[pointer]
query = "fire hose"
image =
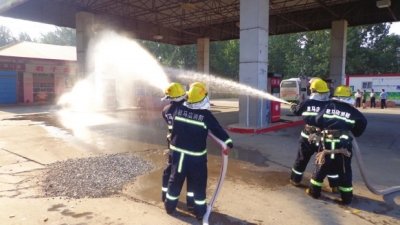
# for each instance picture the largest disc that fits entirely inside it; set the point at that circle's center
(387, 191)
(224, 165)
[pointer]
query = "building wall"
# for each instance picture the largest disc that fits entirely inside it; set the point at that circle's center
(62, 71)
(28, 87)
(391, 84)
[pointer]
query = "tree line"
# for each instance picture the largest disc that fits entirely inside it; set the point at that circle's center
(370, 50)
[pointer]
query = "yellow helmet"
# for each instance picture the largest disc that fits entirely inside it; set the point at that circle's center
(342, 91)
(174, 90)
(319, 85)
(197, 92)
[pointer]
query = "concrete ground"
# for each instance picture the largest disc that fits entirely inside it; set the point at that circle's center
(256, 189)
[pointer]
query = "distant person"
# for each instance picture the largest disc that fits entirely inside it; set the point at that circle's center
(192, 123)
(337, 120)
(364, 99)
(357, 96)
(372, 99)
(307, 144)
(383, 95)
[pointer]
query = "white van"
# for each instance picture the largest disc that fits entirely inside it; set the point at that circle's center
(294, 90)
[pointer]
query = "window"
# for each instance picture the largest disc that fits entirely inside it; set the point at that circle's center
(43, 87)
(366, 85)
(289, 84)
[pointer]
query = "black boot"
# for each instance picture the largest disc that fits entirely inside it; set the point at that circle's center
(347, 197)
(295, 179)
(314, 191)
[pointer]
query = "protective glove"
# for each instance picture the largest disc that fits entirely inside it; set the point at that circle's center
(226, 150)
(293, 108)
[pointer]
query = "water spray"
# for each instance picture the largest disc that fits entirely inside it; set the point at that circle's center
(230, 85)
(121, 72)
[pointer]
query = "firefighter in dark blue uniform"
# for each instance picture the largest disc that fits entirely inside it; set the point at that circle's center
(308, 145)
(191, 124)
(176, 94)
(337, 120)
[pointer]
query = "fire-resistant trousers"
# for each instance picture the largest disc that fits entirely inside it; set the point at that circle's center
(304, 153)
(165, 179)
(194, 169)
(340, 164)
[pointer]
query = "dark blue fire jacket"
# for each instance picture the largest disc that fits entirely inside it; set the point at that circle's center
(168, 112)
(342, 116)
(190, 131)
(309, 110)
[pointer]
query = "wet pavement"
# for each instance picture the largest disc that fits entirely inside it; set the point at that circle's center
(256, 190)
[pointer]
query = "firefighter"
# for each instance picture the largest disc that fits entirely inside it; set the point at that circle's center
(192, 122)
(308, 145)
(337, 120)
(175, 93)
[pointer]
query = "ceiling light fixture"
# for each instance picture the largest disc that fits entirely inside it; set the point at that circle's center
(158, 37)
(383, 4)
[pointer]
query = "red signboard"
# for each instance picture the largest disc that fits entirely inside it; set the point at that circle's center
(12, 66)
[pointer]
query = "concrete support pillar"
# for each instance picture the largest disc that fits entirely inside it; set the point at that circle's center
(85, 24)
(338, 52)
(254, 17)
(203, 55)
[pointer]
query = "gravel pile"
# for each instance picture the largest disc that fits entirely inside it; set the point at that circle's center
(93, 177)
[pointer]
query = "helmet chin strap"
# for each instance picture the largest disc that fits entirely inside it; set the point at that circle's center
(203, 104)
(320, 96)
(347, 100)
(178, 99)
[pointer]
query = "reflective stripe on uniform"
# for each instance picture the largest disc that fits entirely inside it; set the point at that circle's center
(297, 172)
(339, 117)
(194, 122)
(172, 198)
(170, 127)
(200, 202)
(316, 183)
(309, 114)
(333, 176)
(333, 145)
(346, 189)
(181, 162)
(304, 135)
(190, 194)
(228, 141)
(187, 151)
(344, 137)
(164, 189)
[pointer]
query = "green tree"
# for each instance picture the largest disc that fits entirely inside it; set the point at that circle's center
(24, 37)
(371, 50)
(316, 51)
(224, 58)
(173, 56)
(61, 36)
(5, 36)
(285, 55)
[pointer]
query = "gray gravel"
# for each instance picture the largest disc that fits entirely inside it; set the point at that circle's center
(93, 177)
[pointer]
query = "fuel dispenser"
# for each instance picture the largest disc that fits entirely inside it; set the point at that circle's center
(273, 86)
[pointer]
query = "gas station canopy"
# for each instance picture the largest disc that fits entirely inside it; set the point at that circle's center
(184, 21)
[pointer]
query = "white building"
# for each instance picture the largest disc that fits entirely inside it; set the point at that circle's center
(389, 82)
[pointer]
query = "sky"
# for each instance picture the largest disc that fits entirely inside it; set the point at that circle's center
(35, 29)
